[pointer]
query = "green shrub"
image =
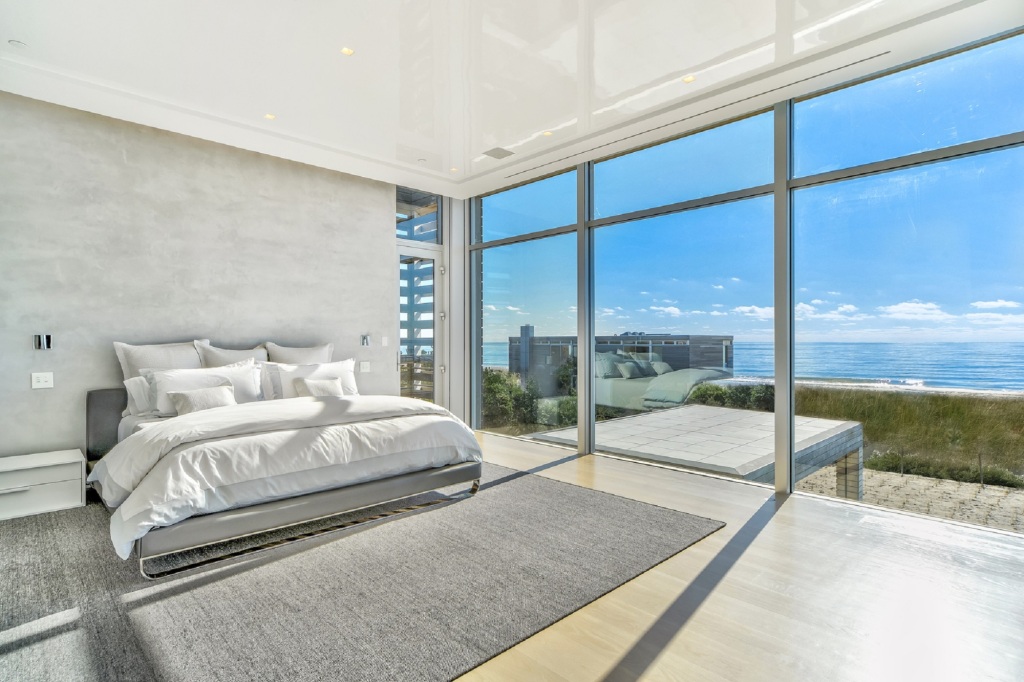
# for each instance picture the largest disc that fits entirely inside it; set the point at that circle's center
(709, 394)
(740, 396)
(505, 401)
(919, 465)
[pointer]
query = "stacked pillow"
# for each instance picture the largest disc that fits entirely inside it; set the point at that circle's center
(164, 380)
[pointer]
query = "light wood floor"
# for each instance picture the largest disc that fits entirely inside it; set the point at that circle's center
(802, 588)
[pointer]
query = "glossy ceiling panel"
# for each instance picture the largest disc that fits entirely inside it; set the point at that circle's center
(433, 84)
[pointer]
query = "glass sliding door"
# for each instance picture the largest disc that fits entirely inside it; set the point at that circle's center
(416, 327)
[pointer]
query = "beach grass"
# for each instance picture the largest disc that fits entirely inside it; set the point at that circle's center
(937, 434)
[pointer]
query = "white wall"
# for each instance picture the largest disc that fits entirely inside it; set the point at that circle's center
(114, 231)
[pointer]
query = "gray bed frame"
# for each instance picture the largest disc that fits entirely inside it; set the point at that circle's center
(103, 414)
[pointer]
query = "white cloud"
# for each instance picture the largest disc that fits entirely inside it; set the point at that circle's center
(804, 310)
(735, 279)
(819, 301)
(915, 310)
(645, 293)
(667, 310)
(490, 307)
(717, 286)
(996, 318)
(670, 302)
(758, 312)
(718, 313)
(995, 304)
(717, 305)
(606, 311)
(572, 309)
(803, 288)
(847, 308)
(512, 308)
(834, 293)
(697, 312)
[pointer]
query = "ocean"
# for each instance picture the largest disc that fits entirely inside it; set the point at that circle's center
(977, 366)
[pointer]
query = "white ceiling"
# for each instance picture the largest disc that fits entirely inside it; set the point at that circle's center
(435, 83)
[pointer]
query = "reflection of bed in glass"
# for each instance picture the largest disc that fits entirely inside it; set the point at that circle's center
(632, 371)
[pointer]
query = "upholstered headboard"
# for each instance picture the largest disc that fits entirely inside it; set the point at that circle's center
(103, 408)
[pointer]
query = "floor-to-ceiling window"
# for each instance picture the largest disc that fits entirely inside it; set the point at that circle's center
(902, 198)
(909, 277)
(525, 267)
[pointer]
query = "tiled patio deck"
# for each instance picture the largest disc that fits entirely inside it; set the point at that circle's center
(728, 441)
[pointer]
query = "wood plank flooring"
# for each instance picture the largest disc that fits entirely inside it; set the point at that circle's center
(801, 588)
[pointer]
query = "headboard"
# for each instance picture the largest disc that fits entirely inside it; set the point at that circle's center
(103, 408)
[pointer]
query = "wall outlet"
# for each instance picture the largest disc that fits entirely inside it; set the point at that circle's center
(42, 379)
(364, 366)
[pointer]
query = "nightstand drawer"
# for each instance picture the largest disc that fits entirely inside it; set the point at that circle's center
(36, 499)
(39, 475)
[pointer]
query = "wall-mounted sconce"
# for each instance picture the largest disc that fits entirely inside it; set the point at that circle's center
(364, 340)
(43, 342)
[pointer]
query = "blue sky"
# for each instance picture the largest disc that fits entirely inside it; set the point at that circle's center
(932, 253)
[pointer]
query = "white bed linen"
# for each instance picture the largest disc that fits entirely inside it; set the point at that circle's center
(132, 423)
(245, 454)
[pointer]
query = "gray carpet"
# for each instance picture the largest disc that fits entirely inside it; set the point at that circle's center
(421, 597)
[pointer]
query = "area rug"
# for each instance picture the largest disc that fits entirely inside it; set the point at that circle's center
(426, 596)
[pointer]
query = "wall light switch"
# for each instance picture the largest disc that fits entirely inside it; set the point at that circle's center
(364, 366)
(383, 340)
(42, 379)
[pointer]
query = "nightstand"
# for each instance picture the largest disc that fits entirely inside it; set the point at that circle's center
(43, 482)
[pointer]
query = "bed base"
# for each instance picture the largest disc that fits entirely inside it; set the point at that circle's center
(210, 529)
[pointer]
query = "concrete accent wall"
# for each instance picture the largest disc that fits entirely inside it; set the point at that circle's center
(115, 231)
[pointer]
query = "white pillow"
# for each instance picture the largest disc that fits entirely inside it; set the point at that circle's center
(661, 367)
(279, 379)
(139, 395)
(300, 356)
(211, 356)
(243, 377)
(158, 356)
(200, 399)
(316, 388)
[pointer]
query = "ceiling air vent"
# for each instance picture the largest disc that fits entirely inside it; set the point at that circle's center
(498, 153)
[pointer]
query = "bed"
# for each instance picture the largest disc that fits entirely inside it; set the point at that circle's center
(653, 392)
(203, 478)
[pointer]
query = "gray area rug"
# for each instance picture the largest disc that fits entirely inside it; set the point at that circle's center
(426, 596)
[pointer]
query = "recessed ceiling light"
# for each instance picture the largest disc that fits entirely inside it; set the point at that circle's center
(347, 51)
(453, 169)
(269, 117)
(421, 160)
(548, 133)
(689, 79)
(17, 43)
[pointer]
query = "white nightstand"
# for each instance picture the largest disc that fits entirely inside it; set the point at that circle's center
(44, 482)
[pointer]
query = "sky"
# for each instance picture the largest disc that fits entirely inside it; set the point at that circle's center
(930, 253)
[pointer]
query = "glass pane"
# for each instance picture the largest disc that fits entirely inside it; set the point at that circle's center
(730, 157)
(416, 215)
(966, 97)
(684, 339)
(537, 206)
(529, 336)
(416, 327)
(910, 330)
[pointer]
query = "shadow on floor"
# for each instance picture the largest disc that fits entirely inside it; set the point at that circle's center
(652, 643)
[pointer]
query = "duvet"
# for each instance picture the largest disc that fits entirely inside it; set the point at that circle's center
(245, 454)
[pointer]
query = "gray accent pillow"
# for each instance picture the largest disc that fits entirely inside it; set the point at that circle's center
(661, 367)
(211, 356)
(186, 402)
(316, 388)
(605, 365)
(646, 368)
(300, 356)
(157, 356)
(629, 370)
